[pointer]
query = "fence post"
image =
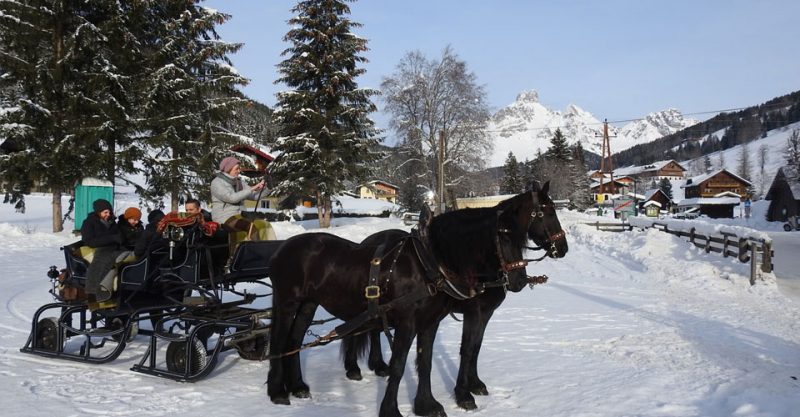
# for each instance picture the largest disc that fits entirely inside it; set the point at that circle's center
(766, 262)
(691, 235)
(725, 245)
(744, 247)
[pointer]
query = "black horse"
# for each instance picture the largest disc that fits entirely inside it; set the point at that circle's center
(458, 255)
(543, 229)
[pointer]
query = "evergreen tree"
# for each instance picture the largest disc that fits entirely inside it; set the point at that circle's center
(512, 183)
(580, 195)
(327, 137)
(66, 93)
(707, 166)
(559, 149)
(666, 186)
(190, 90)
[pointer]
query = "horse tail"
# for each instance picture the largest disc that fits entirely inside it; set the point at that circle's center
(355, 346)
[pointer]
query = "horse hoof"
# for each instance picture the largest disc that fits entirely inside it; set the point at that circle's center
(382, 372)
(280, 400)
(429, 410)
(301, 393)
(354, 375)
(467, 404)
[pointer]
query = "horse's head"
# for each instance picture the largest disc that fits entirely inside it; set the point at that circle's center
(544, 228)
(510, 240)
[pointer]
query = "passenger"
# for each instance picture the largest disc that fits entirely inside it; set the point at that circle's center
(228, 195)
(131, 227)
(150, 240)
(99, 231)
(193, 207)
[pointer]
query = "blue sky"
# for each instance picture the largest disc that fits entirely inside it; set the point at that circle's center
(616, 59)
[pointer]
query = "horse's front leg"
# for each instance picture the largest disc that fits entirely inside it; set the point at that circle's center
(294, 373)
(403, 336)
(282, 318)
(424, 403)
(467, 382)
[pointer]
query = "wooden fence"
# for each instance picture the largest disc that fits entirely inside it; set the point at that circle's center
(612, 227)
(744, 249)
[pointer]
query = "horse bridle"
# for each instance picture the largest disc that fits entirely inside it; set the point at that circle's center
(507, 267)
(551, 237)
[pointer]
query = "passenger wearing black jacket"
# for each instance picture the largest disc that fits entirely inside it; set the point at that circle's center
(100, 232)
(150, 239)
(131, 227)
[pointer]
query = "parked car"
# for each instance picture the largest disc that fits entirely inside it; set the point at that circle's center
(691, 213)
(410, 218)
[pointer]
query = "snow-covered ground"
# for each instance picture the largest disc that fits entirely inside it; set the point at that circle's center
(630, 324)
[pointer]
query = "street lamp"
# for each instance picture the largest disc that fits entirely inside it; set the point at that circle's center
(635, 198)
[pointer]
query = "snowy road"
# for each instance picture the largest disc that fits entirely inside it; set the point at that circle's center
(786, 246)
(630, 324)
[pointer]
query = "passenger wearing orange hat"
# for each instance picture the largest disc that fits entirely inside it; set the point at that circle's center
(130, 225)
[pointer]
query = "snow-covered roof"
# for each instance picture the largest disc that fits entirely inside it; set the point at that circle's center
(709, 201)
(695, 181)
(793, 179)
(652, 203)
(634, 170)
(373, 182)
(96, 182)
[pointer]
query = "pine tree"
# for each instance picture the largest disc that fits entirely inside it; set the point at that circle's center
(707, 166)
(559, 149)
(580, 195)
(326, 138)
(66, 94)
(190, 90)
(666, 186)
(512, 184)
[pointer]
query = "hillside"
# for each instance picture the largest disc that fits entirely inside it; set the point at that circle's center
(719, 133)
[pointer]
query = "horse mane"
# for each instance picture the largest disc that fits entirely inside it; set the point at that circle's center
(463, 238)
(463, 241)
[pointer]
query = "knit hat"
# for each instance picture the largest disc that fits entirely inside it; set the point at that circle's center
(133, 213)
(227, 163)
(155, 216)
(100, 205)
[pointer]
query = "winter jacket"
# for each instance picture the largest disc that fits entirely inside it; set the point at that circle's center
(227, 197)
(130, 234)
(149, 241)
(97, 234)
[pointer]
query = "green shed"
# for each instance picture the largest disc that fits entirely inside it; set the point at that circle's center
(86, 192)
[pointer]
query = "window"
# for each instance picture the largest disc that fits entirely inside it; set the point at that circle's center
(264, 204)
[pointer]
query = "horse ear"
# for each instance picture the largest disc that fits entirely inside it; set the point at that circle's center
(546, 187)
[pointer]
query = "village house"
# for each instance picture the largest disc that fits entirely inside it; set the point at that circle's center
(378, 190)
(784, 194)
(714, 194)
(656, 171)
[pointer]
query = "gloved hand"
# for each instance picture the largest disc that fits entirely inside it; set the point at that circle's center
(209, 228)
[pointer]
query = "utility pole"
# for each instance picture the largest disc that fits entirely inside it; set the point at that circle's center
(609, 166)
(440, 193)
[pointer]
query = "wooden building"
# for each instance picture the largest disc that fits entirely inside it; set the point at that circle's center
(716, 183)
(784, 194)
(379, 190)
(669, 169)
(658, 196)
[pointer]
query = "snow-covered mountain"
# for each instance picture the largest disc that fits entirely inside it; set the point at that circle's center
(525, 127)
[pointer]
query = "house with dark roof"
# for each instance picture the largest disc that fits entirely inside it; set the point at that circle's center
(784, 194)
(714, 194)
